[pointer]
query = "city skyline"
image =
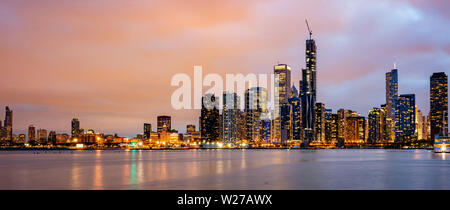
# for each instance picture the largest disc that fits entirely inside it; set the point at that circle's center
(111, 95)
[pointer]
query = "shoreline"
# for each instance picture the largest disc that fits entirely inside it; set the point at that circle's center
(180, 149)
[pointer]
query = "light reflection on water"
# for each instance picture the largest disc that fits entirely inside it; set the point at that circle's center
(225, 169)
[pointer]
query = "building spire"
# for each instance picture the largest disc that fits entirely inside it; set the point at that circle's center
(309, 29)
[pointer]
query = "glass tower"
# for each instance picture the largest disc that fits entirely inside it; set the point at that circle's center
(308, 89)
(438, 104)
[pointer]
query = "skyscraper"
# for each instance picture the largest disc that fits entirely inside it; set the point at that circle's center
(375, 126)
(255, 112)
(42, 136)
(355, 129)
(281, 110)
(419, 124)
(391, 101)
(319, 127)
(164, 120)
(387, 125)
(308, 92)
(209, 119)
(31, 134)
(296, 118)
(52, 138)
(75, 127)
(438, 105)
(331, 127)
(190, 128)
(147, 130)
(230, 113)
(406, 118)
(8, 124)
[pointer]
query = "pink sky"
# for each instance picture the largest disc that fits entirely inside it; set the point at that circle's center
(109, 63)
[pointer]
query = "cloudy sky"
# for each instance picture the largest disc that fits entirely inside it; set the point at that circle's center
(109, 63)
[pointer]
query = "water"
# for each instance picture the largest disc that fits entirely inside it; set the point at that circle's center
(225, 169)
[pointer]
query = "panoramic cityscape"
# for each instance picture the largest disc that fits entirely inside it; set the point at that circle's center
(203, 98)
(296, 121)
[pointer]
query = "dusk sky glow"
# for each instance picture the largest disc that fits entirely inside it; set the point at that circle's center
(110, 63)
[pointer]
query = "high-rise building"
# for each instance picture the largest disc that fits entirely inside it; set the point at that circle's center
(391, 101)
(190, 128)
(75, 128)
(255, 112)
(230, 113)
(296, 118)
(31, 134)
(266, 130)
(308, 92)
(438, 105)
(8, 124)
(419, 124)
(2, 131)
(147, 130)
(21, 139)
(52, 137)
(386, 125)
(406, 118)
(209, 119)
(375, 126)
(281, 110)
(319, 128)
(164, 120)
(331, 127)
(241, 126)
(355, 129)
(42, 136)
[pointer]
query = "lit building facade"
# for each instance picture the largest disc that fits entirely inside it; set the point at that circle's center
(419, 124)
(209, 119)
(147, 130)
(164, 120)
(8, 124)
(230, 113)
(391, 102)
(355, 130)
(438, 105)
(31, 134)
(281, 114)
(296, 118)
(255, 112)
(331, 127)
(308, 92)
(375, 126)
(75, 128)
(406, 118)
(42, 136)
(319, 127)
(190, 128)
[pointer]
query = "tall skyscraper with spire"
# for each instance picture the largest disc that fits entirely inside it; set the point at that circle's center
(391, 102)
(308, 89)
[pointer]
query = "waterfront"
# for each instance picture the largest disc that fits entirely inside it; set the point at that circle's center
(225, 169)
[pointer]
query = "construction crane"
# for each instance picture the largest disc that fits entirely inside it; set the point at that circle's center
(309, 30)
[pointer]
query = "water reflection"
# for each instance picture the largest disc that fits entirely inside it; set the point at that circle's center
(98, 173)
(227, 169)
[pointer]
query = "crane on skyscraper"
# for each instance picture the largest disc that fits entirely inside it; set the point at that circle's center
(309, 29)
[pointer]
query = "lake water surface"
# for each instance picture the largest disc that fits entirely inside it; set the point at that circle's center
(225, 169)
